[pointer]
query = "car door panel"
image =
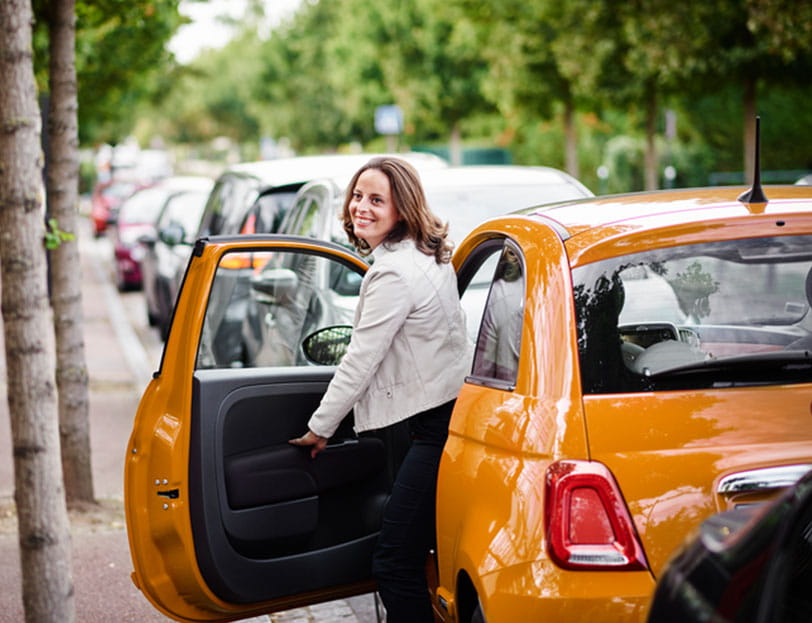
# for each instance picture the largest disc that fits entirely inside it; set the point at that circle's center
(267, 511)
(225, 517)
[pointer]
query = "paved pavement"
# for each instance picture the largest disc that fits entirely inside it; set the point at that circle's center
(121, 353)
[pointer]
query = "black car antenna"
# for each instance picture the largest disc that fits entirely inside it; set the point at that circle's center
(755, 194)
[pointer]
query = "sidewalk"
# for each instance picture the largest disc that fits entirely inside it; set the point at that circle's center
(118, 365)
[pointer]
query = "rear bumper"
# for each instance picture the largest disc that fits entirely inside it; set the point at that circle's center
(541, 591)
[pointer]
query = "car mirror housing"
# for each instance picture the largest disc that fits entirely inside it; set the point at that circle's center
(173, 234)
(327, 346)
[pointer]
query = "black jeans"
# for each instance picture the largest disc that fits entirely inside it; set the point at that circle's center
(408, 532)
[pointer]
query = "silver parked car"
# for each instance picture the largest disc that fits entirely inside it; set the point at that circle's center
(463, 196)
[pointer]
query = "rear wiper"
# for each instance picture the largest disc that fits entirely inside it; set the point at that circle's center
(783, 364)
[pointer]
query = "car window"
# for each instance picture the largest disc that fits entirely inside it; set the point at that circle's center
(499, 338)
(311, 219)
(212, 221)
(267, 213)
(143, 207)
(705, 315)
(259, 317)
(185, 209)
(291, 224)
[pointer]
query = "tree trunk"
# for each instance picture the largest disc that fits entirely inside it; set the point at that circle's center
(66, 276)
(44, 530)
(651, 165)
(455, 145)
(749, 109)
(571, 140)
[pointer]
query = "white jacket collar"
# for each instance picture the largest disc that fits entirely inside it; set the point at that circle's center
(390, 247)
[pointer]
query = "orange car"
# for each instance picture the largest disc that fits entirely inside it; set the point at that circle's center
(642, 362)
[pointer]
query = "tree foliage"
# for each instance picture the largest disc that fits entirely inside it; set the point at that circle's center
(120, 56)
(543, 79)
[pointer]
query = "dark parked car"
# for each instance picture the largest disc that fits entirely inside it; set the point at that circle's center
(749, 565)
(167, 252)
(136, 218)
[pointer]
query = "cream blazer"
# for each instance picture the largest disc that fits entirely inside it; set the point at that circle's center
(409, 350)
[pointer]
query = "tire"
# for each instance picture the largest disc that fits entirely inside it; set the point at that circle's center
(478, 616)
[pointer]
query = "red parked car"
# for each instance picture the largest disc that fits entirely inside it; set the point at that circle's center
(136, 219)
(105, 201)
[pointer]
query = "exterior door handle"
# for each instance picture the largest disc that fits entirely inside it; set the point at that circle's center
(763, 479)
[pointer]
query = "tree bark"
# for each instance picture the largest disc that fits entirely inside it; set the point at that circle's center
(571, 140)
(749, 107)
(455, 145)
(651, 165)
(66, 275)
(44, 531)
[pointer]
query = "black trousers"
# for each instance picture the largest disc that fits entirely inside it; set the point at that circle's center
(408, 530)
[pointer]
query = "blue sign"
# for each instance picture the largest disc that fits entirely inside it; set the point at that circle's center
(388, 120)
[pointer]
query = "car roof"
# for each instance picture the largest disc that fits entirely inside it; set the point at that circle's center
(584, 223)
(299, 169)
(469, 176)
(178, 183)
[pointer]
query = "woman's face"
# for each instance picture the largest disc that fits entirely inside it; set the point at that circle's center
(372, 209)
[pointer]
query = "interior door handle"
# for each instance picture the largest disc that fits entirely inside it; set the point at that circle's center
(341, 443)
(763, 479)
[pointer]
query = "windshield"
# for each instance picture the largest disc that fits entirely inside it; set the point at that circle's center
(703, 315)
(143, 207)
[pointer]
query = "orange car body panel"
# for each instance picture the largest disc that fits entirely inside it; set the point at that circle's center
(159, 528)
(667, 450)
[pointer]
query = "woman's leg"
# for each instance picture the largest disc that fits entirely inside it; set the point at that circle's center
(408, 530)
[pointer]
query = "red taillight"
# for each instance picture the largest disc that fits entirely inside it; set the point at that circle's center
(587, 523)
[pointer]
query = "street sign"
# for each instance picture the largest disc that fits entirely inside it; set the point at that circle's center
(388, 120)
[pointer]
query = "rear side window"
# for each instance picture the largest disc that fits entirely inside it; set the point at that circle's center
(719, 314)
(499, 338)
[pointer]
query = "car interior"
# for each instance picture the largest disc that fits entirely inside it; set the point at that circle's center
(714, 315)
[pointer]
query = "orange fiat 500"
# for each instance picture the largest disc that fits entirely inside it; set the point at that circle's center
(642, 362)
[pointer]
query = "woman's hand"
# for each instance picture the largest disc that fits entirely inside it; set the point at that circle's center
(311, 439)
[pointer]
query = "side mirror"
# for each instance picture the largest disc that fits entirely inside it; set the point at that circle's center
(148, 240)
(172, 234)
(277, 285)
(327, 346)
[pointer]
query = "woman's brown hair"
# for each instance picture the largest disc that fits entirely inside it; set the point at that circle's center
(417, 221)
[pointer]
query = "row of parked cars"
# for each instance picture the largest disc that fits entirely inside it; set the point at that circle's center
(154, 227)
(642, 376)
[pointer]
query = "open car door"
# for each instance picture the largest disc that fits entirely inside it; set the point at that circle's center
(225, 518)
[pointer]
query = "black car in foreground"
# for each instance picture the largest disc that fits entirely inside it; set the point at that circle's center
(751, 564)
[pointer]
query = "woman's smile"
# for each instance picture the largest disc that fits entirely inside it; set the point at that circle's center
(373, 212)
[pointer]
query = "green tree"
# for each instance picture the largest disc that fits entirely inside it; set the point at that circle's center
(704, 47)
(302, 102)
(120, 54)
(433, 65)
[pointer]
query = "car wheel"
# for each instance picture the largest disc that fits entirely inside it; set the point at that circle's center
(121, 282)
